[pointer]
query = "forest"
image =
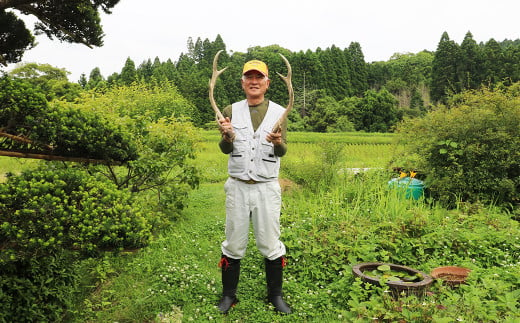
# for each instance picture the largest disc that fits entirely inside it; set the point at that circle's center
(335, 88)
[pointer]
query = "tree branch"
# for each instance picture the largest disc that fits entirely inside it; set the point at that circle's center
(24, 140)
(4, 4)
(53, 157)
(26, 8)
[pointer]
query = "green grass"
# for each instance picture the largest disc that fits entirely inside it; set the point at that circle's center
(335, 220)
(356, 220)
(355, 150)
(180, 264)
(328, 225)
(14, 165)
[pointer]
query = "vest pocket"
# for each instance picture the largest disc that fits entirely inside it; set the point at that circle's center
(238, 157)
(268, 163)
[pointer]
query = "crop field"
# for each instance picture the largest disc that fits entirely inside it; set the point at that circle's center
(352, 151)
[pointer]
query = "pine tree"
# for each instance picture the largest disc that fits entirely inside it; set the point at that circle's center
(70, 21)
(378, 74)
(512, 63)
(128, 73)
(444, 69)
(470, 64)
(145, 70)
(358, 69)
(95, 79)
(343, 87)
(494, 62)
(83, 80)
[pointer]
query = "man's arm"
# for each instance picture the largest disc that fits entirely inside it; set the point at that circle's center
(226, 143)
(279, 140)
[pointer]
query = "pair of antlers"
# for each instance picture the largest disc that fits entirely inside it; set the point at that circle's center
(287, 79)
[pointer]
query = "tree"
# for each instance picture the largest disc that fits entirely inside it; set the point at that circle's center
(128, 73)
(73, 21)
(145, 70)
(494, 62)
(470, 65)
(375, 112)
(511, 65)
(337, 78)
(444, 69)
(408, 73)
(49, 79)
(15, 42)
(164, 70)
(324, 114)
(305, 73)
(95, 79)
(358, 69)
(378, 73)
(469, 150)
(416, 101)
(82, 80)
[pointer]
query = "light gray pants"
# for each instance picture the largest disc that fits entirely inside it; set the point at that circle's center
(259, 203)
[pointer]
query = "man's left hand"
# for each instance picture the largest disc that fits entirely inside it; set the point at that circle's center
(275, 138)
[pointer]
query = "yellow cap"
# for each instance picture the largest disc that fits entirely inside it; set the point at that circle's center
(256, 65)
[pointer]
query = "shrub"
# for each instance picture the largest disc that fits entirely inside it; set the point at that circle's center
(37, 289)
(303, 171)
(65, 208)
(67, 130)
(470, 149)
(52, 216)
(141, 101)
(77, 133)
(18, 99)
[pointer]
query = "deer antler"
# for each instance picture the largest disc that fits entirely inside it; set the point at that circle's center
(288, 82)
(212, 82)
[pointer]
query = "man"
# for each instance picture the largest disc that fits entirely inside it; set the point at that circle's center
(252, 190)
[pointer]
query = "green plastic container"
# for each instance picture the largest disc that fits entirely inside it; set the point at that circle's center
(411, 187)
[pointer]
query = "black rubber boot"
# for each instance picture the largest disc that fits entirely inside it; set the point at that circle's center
(230, 274)
(274, 277)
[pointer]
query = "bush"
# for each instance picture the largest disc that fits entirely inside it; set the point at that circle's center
(139, 101)
(65, 208)
(37, 289)
(57, 128)
(18, 99)
(470, 149)
(52, 216)
(76, 133)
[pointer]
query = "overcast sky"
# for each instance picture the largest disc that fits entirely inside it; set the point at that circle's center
(161, 28)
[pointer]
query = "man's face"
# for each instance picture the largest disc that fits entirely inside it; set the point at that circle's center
(255, 84)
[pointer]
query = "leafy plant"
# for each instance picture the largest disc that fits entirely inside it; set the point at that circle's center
(384, 273)
(58, 128)
(54, 208)
(51, 217)
(470, 150)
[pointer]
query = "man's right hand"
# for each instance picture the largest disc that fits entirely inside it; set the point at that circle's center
(226, 129)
